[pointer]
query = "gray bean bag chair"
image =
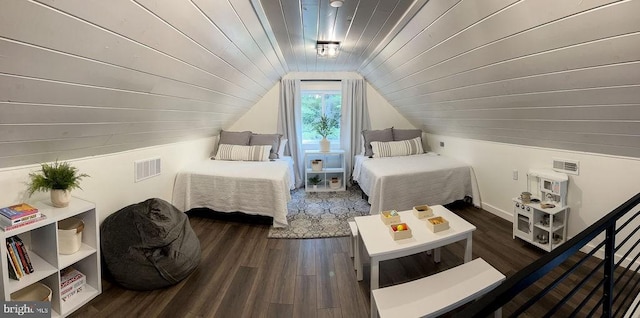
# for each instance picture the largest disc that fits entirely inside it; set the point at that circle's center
(149, 245)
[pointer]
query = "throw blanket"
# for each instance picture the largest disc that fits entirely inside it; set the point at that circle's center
(403, 182)
(253, 187)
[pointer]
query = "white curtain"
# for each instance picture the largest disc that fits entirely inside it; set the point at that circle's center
(290, 124)
(355, 119)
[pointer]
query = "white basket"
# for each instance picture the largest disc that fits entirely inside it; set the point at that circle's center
(70, 235)
(316, 165)
(334, 183)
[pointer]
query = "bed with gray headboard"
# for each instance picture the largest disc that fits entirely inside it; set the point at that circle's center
(245, 175)
(395, 172)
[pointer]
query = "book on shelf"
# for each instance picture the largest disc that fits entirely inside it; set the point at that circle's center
(12, 269)
(6, 227)
(14, 260)
(19, 256)
(70, 294)
(24, 255)
(72, 282)
(23, 268)
(18, 213)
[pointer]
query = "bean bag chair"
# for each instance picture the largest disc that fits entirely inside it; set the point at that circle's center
(149, 245)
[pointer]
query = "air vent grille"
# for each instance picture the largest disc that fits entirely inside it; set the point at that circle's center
(566, 166)
(145, 169)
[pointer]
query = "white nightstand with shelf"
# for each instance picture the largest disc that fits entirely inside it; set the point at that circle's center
(333, 166)
(41, 239)
(545, 228)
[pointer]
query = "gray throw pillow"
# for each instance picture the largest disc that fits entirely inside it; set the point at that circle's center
(272, 140)
(234, 138)
(406, 134)
(375, 135)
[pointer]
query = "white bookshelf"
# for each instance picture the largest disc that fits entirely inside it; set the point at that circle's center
(41, 240)
(333, 167)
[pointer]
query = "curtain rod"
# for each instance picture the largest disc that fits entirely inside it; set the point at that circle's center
(321, 80)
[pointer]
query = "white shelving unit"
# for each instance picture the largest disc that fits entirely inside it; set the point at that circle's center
(333, 166)
(544, 228)
(41, 239)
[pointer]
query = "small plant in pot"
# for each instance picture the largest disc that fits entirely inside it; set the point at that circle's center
(59, 178)
(315, 181)
(324, 127)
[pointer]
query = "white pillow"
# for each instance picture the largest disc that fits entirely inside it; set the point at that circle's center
(283, 144)
(397, 148)
(243, 153)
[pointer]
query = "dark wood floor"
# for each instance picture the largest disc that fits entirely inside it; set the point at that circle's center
(244, 274)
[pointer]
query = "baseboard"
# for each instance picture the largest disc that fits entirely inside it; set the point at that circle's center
(499, 212)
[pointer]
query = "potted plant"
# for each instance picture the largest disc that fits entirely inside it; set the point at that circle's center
(323, 127)
(315, 181)
(59, 178)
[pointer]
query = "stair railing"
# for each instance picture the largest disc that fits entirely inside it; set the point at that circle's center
(602, 286)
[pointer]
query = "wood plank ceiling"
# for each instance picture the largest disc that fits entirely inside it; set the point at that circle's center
(86, 77)
(362, 27)
(543, 73)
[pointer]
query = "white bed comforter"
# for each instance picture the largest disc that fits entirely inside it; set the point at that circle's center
(401, 183)
(256, 187)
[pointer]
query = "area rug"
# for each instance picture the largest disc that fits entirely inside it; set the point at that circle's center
(321, 214)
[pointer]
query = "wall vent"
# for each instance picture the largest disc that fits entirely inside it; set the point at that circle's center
(566, 166)
(145, 169)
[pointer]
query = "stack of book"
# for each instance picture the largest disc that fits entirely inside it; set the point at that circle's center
(19, 261)
(19, 215)
(71, 283)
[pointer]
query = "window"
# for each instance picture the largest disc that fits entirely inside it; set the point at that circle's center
(320, 98)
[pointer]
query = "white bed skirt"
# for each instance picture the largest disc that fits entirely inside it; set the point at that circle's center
(403, 182)
(252, 187)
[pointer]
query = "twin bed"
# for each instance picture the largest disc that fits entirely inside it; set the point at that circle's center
(252, 187)
(249, 174)
(405, 181)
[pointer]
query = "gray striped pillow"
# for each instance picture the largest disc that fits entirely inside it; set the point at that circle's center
(397, 148)
(243, 153)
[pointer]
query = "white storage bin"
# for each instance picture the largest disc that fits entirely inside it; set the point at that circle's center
(70, 235)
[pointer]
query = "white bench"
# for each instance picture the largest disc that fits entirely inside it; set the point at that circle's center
(437, 294)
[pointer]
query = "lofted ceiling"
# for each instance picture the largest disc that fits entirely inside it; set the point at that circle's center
(363, 28)
(86, 77)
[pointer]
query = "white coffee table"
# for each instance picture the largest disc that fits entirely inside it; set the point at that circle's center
(376, 241)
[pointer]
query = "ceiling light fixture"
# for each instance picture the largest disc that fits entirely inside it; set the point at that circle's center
(327, 48)
(336, 3)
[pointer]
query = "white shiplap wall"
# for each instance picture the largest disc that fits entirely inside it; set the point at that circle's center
(80, 78)
(557, 74)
